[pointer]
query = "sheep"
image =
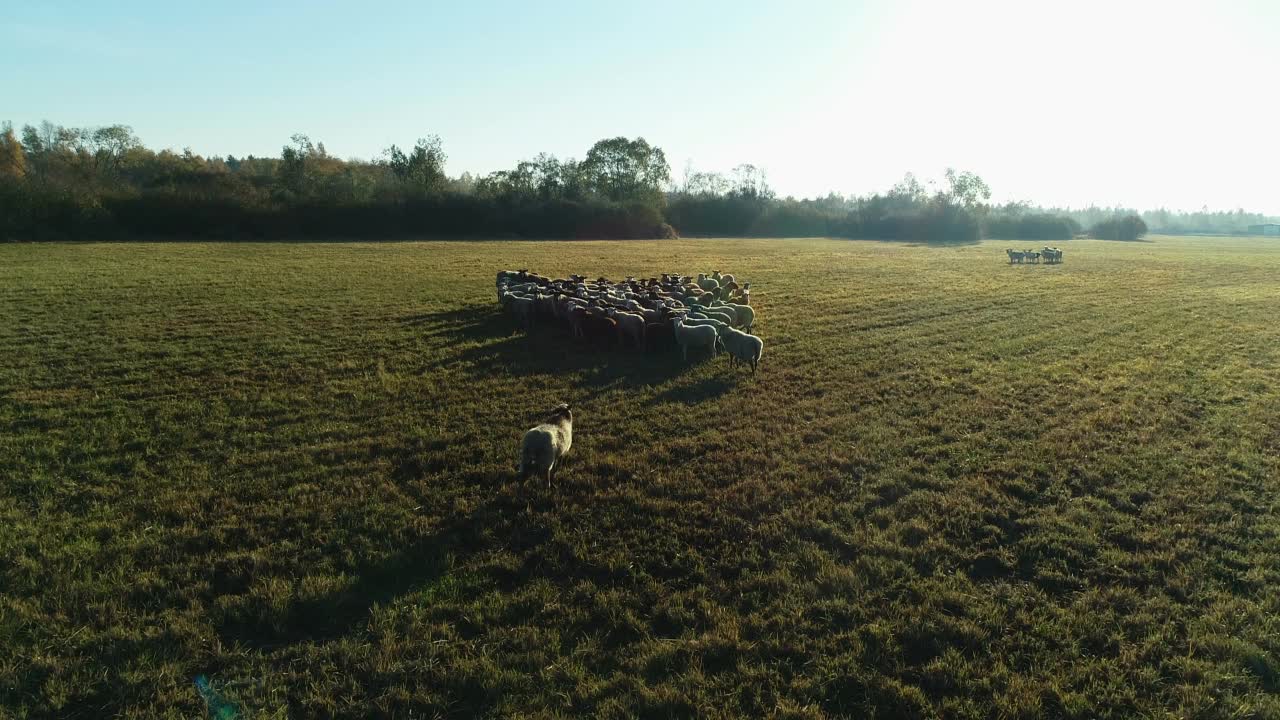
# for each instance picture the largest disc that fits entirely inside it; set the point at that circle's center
(1015, 256)
(659, 336)
(745, 315)
(520, 307)
(631, 311)
(696, 336)
(559, 306)
(742, 347)
(545, 305)
(598, 328)
(629, 325)
(543, 446)
(701, 320)
(652, 315)
(576, 317)
(728, 317)
(1032, 255)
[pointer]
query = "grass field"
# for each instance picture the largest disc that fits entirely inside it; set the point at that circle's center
(956, 488)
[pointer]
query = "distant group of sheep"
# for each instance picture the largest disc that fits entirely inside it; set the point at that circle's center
(710, 313)
(1050, 255)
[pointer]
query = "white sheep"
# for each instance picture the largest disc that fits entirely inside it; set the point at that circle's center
(696, 319)
(544, 445)
(520, 307)
(545, 304)
(629, 325)
(695, 336)
(745, 315)
(741, 346)
(725, 316)
(707, 283)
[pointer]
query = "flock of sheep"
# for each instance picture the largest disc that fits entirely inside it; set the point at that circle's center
(1050, 255)
(711, 313)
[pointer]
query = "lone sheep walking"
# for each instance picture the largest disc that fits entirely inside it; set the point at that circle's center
(544, 445)
(742, 347)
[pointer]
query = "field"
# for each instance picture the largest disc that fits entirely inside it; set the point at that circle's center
(956, 488)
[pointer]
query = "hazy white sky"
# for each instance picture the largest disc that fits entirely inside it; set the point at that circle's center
(1092, 101)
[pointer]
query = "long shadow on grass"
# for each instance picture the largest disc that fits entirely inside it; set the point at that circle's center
(503, 520)
(548, 349)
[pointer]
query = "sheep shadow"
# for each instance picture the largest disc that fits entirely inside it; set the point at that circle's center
(696, 393)
(418, 568)
(492, 343)
(471, 323)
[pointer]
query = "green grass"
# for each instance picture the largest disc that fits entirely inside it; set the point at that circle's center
(956, 488)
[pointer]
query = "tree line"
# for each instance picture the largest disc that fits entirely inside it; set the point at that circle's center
(73, 183)
(98, 183)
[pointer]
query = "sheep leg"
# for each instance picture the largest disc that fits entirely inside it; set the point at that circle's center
(550, 470)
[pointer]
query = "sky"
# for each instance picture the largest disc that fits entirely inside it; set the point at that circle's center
(1110, 102)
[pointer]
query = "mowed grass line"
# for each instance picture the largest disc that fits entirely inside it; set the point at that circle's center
(956, 488)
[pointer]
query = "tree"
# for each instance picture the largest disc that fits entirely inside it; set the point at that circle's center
(423, 168)
(908, 191)
(705, 184)
(548, 176)
(307, 169)
(110, 145)
(749, 182)
(626, 170)
(966, 190)
(13, 161)
(42, 145)
(909, 195)
(293, 163)
(573, 183)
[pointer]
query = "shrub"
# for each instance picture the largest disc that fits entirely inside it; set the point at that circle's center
(1129, 227)
(32, 212)
(1041, 226)
(714, 214)
(944, 223)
